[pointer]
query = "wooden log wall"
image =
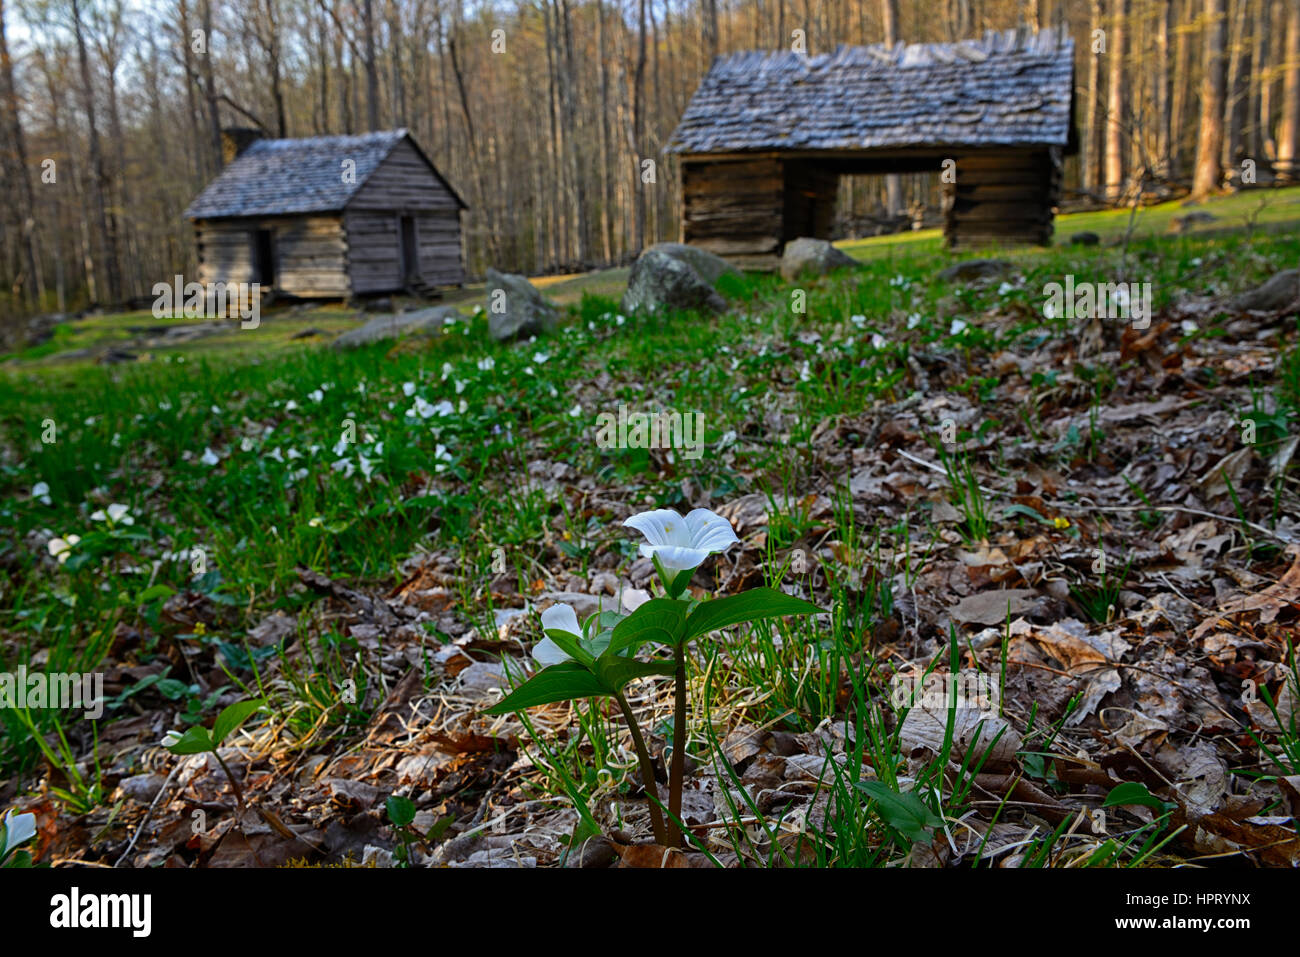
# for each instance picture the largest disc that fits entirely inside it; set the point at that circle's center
(1002, 197)
(309, 253)
(735, 208)
(403, 185)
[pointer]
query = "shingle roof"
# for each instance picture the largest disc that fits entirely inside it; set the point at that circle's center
(285, 177)
(1008, 89)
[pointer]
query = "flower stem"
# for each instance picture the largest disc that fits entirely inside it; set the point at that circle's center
(647, 771)
(677, 774)
(239, 793)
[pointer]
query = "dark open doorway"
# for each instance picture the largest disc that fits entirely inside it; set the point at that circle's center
(410, 249)
(264, 257)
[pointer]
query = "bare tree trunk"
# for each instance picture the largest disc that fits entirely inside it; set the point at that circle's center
(1091, 150)
(271, 44)
(1209, 147)
(1255, 130)
(1178, 118)
(638, 123)
(210, 87)
(1115, 119)
(99, 175)
(709, 9)
(1288, 139)
(372, 71)
(33, 284)
(1164, 22)
(893, 182)
(1238, 87)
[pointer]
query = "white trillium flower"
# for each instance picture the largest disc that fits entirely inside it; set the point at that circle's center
(316, 395)
(61, 548)
(556, 618)
(486, 364)
(116, 515)
(19, 828)
(290, 405)
(408, 389)
(958, 326)
(209, 457)
(41, 492)
(170, 738)
(682, 543)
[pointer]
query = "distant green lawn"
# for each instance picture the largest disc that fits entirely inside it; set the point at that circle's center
(1267, 208)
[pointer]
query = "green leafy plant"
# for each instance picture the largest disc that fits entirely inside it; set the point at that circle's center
(599, 658)
(198, 739)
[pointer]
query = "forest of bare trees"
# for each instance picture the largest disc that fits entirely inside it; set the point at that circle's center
(542, 113)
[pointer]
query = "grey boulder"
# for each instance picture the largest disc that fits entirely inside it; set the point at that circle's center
(515, 307)
(709, 266)
(417, 321)
(660, 280)
(1278, 293)
(813, 256)
(976, 269)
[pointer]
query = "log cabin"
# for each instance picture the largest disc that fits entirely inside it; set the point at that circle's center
(766, 137)
(329, 216)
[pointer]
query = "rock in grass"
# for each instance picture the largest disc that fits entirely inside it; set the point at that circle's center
(417, 321)
(812, 256)
(710, 267)
(1085, 239)
(976, 269)
(660, 280)
(1274, 295)
(515, 307)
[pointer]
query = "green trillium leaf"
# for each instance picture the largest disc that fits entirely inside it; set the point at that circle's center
(571, 646)
(752, 605)
(1131, 792)
(232, 717)
(615, 671)
(659, 619)
(562, 682)
(196, 740)
(401, 810)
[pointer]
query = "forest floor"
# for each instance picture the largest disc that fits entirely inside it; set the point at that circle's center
(1097, 517)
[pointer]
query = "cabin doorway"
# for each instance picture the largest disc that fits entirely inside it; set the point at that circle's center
(264, 257)
(410, 249)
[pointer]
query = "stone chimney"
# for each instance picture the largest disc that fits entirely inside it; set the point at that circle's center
(236, 139)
